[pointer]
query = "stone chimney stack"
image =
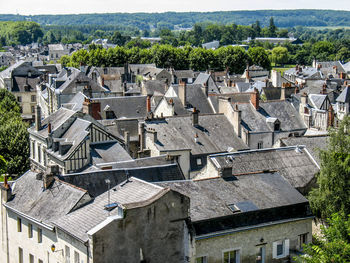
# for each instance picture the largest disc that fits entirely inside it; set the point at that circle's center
(153, 135)
(142, 136)
(49, 175)
(195, 117)
(148, 103)
(254, 98)
(283, 91)
(6, 191)
(237, 118)
(182, 93)
(303, 103)
(37, 118)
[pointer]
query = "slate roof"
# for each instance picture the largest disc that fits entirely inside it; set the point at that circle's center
(24, 84)
(274, 93)
(181, 74)
(153, 86)
(121, 106)
(345, 95)
(76, 103)
(317, 100)
(179, 109)
(256, 120)
(196, 97)
(307, 73)
(238, 97)
(43, 205)
(108, 152)
(215, 134)
(129, 194)
(313, 144)
(144, 162)
(293, 163)
(211, 198)
(94, 182)
(206, 78)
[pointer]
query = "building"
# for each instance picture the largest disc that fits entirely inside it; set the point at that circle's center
(343, 102)
(56, 51)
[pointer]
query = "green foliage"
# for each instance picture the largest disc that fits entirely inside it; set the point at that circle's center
(14, 145)
(258, 56)
(334, 246)
(15, 33)
(333, 192)
(3, 165)
(279, 55)
(233, 58)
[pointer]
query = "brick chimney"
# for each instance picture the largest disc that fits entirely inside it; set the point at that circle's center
(324, 89)
(254, 98)
(195, 117)
(183, 93)
(237, 118)
(37, 118)
(330, 116)
(148, 103)
(93, 108)
(49, 175)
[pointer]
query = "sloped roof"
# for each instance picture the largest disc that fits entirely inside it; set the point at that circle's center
(43, 205)
(24, 84)
(215, 134)
(317, 100)
(127, 193)
(211, 198)
(293, 163)
(108, 152)
(345, 95)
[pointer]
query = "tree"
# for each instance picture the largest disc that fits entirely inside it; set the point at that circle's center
(279, 55)
(333, 192)
(200, 59)
(258, 56)
(272, 28)
(14, 141)
(334, 246)
(235, 58)
(322, 50)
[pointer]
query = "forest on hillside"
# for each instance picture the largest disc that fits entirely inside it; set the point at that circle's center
(174, 20)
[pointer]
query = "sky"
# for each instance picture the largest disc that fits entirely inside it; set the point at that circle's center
(34, 7)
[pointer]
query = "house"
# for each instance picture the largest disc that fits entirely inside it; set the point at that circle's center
(343, 102)
(252, 217)
(6, 59)
(294, 163)
(72, 141)
(50, 219)
(191, 138)
(187, 76)
(56, 51)
(21, 79)
(261, 124)
(301, 75)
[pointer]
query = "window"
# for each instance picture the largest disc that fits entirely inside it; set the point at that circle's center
(33, 109)
(19, 225)
(203, 259)
(67, 252)
(20, 255)
(302, 240)
(40, 261)
(30, 230)
(277, 126)
(260, 145)
(19, 99)
(280, 249)
(39, 154)
(110, 115)
(260, 257)
(31, 258)
(40, 235)
(232, 256)
(199, 161)
(33, 148)
(33, 98)
(76, 257)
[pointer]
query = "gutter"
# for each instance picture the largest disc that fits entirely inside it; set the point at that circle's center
(46, 226)
(231, 231)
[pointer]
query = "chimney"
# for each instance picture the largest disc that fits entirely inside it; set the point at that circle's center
(6, 191)
(254, 98)
(247, 72)
(142, 136)
(49, 175)
(49, 128)
(237, 117)
(319, 67)
(127, 141)
(93, 108)
(266, 83)
(324, 89)
(103, 81)
(205, 88)
(148, 103)
(330, 116)
(153, 135)
(195, 117)
(37, 118)
(283, 91)
(125, 88)
(296, 91)
(342, 75)
(182, 93)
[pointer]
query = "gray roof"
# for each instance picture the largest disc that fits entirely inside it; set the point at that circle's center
(144, 162)
(108, 152)
(129, 194)
(345, 95)
(181, 74)
(294, 163)
(94, 182)
(239, 97)
(153, 86)
(317, 100)
(25, 84)
(307, 73)
(178, 107)
(211, 198)
(129, 107)
(274, 93)
(215, 134)
(313, 144)
(76, 103)
(203, 78)
(43, 205)
(256, 120)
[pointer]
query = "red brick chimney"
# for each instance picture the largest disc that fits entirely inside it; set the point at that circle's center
(330, 116)
(254, 98)
(148, 103)
(93, 108)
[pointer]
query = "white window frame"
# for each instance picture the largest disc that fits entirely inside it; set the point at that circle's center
(285, 244)
(233, 249)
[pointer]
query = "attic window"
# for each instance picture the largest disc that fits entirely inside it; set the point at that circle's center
(277, 126)
(199, 161)
(111, 206)
(234, 208)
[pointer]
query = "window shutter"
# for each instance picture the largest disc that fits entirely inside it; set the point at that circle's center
(274, 250)
(286, 247)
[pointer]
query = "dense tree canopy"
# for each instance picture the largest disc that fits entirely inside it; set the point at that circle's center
(14, 145)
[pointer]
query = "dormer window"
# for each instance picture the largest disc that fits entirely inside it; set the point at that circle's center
(110, 115)
(277, 126)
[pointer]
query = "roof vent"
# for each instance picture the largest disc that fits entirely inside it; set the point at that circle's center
(234, 208)
(110, 207)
